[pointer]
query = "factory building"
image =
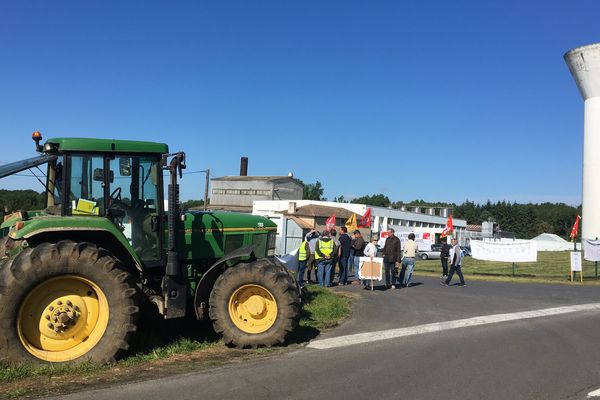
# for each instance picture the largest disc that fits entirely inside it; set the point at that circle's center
(296, 217)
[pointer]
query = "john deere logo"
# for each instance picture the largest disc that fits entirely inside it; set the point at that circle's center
(260, 224)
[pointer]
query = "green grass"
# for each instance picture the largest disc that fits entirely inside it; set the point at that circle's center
(550, 266)
(324, 308)
(160, 339)
(10, 374)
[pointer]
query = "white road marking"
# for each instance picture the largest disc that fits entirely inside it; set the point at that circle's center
(351, 340)
(595, 393)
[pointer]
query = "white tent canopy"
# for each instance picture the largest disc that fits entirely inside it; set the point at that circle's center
(552, 242)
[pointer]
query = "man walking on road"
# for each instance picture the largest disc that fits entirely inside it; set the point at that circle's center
(391, 258)
(456, 255)
(444, 256)
(408, 260)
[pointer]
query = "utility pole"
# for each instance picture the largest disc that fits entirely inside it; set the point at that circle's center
(206, 189)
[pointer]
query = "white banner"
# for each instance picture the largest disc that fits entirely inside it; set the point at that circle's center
(591, 250)
(290, 260)
(424, 240)
(517, 251)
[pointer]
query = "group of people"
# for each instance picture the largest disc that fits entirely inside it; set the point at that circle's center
(323, 252)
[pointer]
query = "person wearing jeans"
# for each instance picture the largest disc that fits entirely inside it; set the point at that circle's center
(324, 251)
(408, 260)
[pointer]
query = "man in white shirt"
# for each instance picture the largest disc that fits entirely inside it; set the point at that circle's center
(456, 256)
(409, 255)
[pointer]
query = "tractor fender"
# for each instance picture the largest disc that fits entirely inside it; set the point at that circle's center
(209, 278)
(100, 237)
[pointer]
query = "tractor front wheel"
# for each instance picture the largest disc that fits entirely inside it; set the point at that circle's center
(66, 302)
(254, 304)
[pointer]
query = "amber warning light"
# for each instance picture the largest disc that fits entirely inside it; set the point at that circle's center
(37, 137)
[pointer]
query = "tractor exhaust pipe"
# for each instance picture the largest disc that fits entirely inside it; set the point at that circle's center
(584, 64)
(174, 286)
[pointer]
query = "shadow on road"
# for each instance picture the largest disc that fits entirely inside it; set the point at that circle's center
(302, 333)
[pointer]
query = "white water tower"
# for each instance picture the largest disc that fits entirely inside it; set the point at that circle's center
(584, 63)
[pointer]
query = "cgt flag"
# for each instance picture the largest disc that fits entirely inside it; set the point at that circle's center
(330, 223)
(365, 220)
(449, 229)
(575, 228)
(351, 223)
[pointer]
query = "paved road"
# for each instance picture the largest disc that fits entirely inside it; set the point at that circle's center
(548, 357)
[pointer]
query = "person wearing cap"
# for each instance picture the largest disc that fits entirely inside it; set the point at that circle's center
(324, 253)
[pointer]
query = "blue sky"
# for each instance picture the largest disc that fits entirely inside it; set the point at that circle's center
(433, 100)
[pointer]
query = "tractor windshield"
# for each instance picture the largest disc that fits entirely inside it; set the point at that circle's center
(125, 189)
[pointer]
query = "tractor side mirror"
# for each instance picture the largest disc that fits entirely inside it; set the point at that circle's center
(125, 166)
(99, 175)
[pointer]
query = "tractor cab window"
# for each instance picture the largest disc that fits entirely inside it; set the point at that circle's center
(86, 195)
(133, 202)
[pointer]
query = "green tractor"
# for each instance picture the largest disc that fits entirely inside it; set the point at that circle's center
(74, 275)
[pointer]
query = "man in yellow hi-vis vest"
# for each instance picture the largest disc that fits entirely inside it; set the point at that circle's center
(303, 256)
(324, 251)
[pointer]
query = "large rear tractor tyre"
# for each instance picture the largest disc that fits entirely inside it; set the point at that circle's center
(66, 302)
(254, 305)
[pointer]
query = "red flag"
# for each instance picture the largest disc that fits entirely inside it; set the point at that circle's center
(330, 223)
(449, 229)
(575, 228)
(365, 220)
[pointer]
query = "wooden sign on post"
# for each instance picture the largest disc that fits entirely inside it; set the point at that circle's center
(576, 265)
(371, 268)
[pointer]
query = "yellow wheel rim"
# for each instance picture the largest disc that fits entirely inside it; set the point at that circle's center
(62, 318)
(253, 309)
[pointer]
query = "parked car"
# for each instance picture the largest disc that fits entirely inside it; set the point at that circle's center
(429, 255)
(466, 250)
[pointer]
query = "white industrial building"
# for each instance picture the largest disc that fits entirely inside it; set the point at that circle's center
(292, 226)
(236, 193)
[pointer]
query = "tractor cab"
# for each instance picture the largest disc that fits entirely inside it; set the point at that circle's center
(101, 178)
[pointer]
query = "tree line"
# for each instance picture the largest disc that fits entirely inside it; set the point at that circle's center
(13, 200)
(524, 220)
